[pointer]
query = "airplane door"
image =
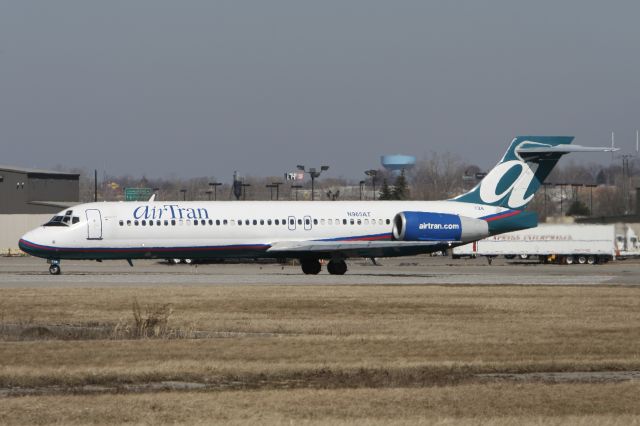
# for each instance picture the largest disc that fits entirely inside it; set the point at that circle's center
(291, 222)
(307, 223)
(94, 224)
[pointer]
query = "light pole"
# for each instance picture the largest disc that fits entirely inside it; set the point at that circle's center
(271, 186)
(361, 186)
(545, 199)
(277, 186)
(215, 186)
(209, 194)
(372, 173)
(296, 187)
(314, 174)
(244, 190)
(591, 186)
(184, 194)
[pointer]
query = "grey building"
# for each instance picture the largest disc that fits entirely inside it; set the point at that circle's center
(27, 191)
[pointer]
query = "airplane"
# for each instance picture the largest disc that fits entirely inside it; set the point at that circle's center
(309, 231)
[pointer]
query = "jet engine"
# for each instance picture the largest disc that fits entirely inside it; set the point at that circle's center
(429, 226)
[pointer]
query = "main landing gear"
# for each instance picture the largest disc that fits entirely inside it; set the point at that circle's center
(313, 266)
(54, 269)
(337, 267)
(310, 266)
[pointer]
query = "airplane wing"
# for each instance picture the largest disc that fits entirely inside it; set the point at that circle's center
(359, 248)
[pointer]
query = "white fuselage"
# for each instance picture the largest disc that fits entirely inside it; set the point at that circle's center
(220, 229)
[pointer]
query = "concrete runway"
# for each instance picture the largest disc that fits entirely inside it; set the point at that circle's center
(27, 272)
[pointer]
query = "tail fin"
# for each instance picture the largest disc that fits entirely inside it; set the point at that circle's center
(513, 182)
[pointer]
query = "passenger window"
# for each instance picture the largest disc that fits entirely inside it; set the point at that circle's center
(195, 222)
(128, 223)
(366, 221)
(210, 221)
(173, 222)
(380, 222)
(218, 222)
(344, 221)
(351, 221)
(150, 223)
(135, 223)
(158, 222)
(166, 222)
(268, 221)
(225, 221)
(292, 222)
(181, 222)
(307, 222)
(359, 221)
(144, 223)
(247, 222)
(121, 222)
(239, 222)
(329, 221)
(261, 221)
(284, 222)
(388, 221)
(299, 221)
(315, 221)
(277, 222)
(321, 221)
(255, 222)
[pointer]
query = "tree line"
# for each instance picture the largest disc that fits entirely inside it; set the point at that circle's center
(609, 190)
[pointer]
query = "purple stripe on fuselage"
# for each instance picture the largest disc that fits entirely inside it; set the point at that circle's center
(143, 249)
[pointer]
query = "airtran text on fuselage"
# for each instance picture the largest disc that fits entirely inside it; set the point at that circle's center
(170, 211)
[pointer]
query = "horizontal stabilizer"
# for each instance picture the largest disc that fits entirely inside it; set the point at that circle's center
(531, 152)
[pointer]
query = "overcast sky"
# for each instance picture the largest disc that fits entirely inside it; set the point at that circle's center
(201, 88)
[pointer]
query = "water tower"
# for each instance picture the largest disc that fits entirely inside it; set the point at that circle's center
(397, 162)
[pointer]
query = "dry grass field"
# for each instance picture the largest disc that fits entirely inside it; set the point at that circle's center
(319, 354)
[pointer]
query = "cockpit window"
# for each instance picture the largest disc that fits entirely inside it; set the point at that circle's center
(63, 220)
(56, 221)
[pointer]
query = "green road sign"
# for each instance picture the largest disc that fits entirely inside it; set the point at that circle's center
(137, 194)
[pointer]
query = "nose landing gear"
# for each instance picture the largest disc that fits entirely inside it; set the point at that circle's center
(54, 269)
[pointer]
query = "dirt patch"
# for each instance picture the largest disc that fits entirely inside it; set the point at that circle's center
(329, 379)
(565, 377)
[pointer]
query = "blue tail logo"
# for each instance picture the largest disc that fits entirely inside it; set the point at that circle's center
(512, 183)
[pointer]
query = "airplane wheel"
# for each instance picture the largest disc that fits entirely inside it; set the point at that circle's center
(311, 266)
(337, 267)
(187, 261)
(582, 260)
(591, 260)
(54, 269)
(568, 260)
(175, 261)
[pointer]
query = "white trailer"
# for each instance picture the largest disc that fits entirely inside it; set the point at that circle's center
(567, 243)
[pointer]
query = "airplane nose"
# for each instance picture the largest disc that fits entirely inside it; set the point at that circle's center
(29, 243)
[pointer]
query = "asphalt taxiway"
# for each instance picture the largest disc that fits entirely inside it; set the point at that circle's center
(28, 272)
